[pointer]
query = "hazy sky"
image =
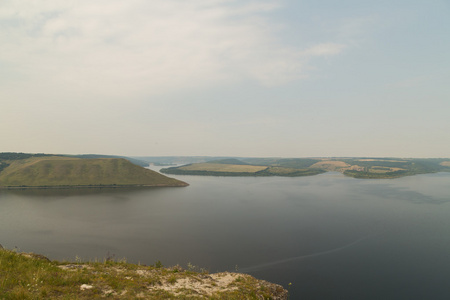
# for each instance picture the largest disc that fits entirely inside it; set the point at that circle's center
(222, 77)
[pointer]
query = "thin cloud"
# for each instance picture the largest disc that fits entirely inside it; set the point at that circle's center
(141, 48)
(326, 49)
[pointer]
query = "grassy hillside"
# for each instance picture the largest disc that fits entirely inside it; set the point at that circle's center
(132, 160)
(32, 276)
(60, 171)
(373, 168)
(226, 168)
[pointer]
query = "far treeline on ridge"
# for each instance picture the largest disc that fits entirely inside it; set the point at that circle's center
(22, 170)
(354, 167)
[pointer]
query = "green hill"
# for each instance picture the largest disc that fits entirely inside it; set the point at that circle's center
(228, 169)
(60, 171)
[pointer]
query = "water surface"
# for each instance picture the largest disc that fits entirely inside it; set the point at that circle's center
(331, 236)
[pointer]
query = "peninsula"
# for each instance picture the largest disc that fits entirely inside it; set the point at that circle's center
(365, 167)
(19, 170)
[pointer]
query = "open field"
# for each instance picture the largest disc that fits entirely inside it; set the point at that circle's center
(240, 169)
(384, 169)
(331, 165)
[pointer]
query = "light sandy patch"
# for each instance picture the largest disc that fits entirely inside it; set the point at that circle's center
(331, 165)
(356, 168)
(445, 163)
(86, 287)
(145, 273)
(336, 163)
(380, 170)
(109, 293)
(118, 270)
(397, 169)
(74, 267)
(205, 285)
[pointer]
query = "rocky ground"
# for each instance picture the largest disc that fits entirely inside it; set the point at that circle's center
(33, 276)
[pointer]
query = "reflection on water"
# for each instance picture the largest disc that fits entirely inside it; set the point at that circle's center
(67, 192)
(333, 237)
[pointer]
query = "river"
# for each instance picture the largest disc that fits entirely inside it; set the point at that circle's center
(331, 236)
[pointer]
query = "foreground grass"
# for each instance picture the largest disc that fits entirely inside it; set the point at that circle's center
(31, 276)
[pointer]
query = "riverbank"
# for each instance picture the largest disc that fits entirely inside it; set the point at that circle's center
(33, 276)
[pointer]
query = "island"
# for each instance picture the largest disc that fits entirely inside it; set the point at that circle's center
(365, 167)
(21, 170)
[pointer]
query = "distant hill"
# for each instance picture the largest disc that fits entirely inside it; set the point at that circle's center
(176, 160)
(62, 171)
(227, 168)
(354, 167)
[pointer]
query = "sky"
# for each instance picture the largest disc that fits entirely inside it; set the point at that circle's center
(267, 78)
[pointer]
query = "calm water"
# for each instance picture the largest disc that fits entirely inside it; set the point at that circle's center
(333, 237)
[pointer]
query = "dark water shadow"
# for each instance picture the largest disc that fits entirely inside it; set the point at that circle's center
(70, 192)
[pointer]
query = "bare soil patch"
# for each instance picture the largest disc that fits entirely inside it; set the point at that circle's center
(331, 165)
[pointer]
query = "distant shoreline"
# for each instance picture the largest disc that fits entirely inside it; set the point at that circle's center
(86, 186)
(360, 168)
(231, 174)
